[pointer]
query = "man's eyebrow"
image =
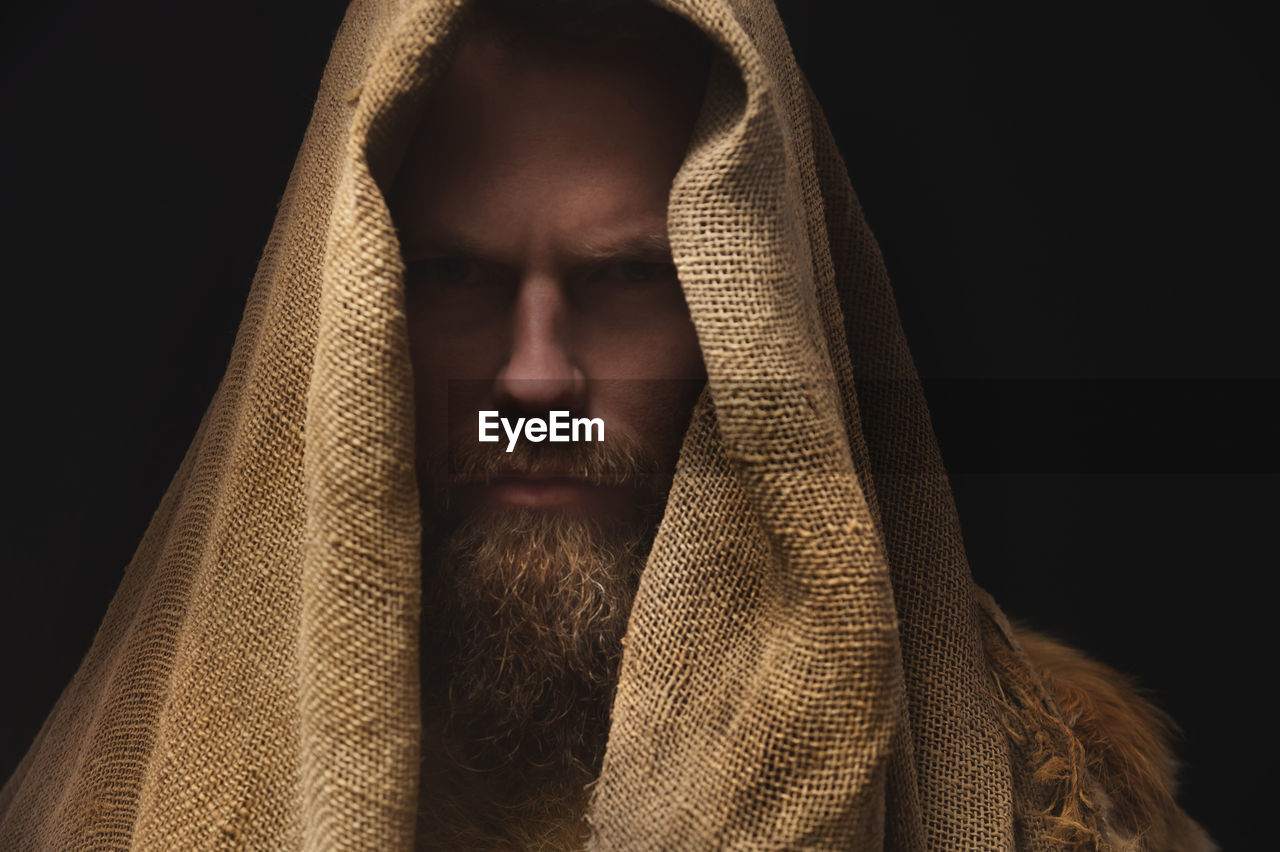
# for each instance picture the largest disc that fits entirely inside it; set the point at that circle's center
(645, 246)
(642, 246)
(441, 244)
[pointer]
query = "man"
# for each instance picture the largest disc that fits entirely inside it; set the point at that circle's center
(531, 210)
(743, 619)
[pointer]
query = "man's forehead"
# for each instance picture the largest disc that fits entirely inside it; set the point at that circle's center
(499, 108)
(567, 155)
(639, 238)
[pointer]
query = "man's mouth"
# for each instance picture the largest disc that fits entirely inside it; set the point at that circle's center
(598, 485)
(536, 490)
(539, 491)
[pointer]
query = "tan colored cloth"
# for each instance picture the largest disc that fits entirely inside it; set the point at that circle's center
(808, 663)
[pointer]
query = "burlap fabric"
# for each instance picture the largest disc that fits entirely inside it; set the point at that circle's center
(808, 663)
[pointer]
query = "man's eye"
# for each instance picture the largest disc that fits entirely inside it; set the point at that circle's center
(444, 270)
(629, 292)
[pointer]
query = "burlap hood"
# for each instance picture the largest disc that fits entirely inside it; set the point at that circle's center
(808, 662)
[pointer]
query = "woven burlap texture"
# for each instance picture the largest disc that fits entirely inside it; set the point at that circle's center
(805, 665)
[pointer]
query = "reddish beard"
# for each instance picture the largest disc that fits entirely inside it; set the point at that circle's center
(524, 615)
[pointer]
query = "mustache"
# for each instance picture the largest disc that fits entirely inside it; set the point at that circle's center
(621, 460)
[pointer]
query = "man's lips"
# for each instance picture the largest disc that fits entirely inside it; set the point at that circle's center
(538, 475)
(539, 491)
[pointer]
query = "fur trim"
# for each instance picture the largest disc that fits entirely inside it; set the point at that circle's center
(1126, 745)
(1057, 805)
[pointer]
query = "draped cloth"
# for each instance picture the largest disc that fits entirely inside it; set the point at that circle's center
(808, 663)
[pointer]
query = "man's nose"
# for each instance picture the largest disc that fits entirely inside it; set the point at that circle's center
(541, 372)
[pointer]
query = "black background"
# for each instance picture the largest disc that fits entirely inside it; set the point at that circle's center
(1077, 204)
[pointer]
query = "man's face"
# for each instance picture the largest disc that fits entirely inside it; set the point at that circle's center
(532, 215)
(531, 209)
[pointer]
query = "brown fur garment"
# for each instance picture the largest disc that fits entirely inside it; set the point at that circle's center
(1127, 747)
